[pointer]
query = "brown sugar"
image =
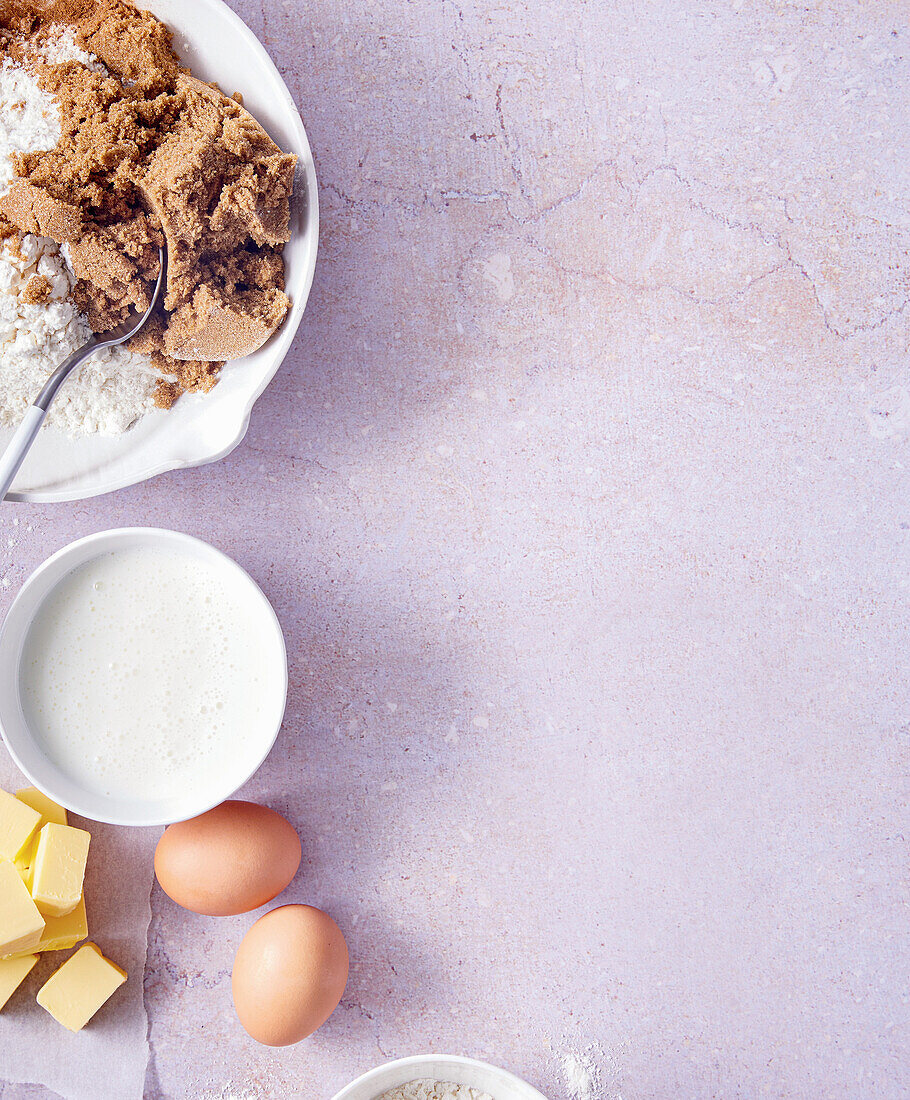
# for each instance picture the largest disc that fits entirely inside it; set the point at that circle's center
(235, 324)
(37, 290)
(150, 154)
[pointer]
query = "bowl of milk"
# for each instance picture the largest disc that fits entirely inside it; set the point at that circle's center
(143, 677)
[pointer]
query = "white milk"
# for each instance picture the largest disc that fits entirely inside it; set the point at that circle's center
(146, 669)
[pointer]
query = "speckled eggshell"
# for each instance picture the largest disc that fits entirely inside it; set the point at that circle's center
(228, 860)
(289, 974)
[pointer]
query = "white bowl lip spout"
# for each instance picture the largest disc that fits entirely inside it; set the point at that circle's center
(15, 732)
(498, 1083)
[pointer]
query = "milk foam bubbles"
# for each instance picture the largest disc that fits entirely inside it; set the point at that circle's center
(145, 669)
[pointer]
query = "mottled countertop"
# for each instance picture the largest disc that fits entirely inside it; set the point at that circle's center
(583, 499)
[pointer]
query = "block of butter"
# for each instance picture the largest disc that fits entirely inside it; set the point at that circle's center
(74, 993)
(45, 806)
(60, 933)
(59, 868)
(21, 924)
(23, 865)
(49, 811)
(13, 973)
(18, 823)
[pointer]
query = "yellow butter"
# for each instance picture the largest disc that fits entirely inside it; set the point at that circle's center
(64, 932)
(21, 924)
(60, 933)
(45, 806)
(18, 823)
(13, 973)
(74, 993)
(59, 868)
(50, 812)
(23, 863)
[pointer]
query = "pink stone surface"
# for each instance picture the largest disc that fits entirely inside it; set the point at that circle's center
(583, 501)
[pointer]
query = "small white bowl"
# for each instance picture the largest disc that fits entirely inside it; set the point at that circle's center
(498, 1083)
(44, 773)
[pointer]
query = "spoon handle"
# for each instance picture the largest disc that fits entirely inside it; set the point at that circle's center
(14, 455)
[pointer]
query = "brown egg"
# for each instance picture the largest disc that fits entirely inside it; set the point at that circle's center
(231, 859)
(289, 974)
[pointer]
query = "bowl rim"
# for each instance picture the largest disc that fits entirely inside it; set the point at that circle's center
(286, 334)
(456, 1061)
(20, 616)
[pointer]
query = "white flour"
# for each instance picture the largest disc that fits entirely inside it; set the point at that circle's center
(105, 396)
(580, 1076)
(427, 1089)
(115, 388)
(236, 1092)
(29, 119)
(60, 45)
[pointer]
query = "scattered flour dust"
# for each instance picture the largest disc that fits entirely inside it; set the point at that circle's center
(580, 1075)
(590, 1074)
(233, 1091)
(37, 332)
(426, 1088)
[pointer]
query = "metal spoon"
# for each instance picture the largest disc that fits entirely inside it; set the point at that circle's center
(18, 447)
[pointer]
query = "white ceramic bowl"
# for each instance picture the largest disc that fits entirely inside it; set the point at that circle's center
(216, 45)
(499, 1083)
(208, 790)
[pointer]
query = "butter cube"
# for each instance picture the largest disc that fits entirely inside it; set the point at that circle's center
(45, 806)
(18, 823)
(60, 933)
(59, 868)
(13, 973)
(80, 987)
(21, 924)
(49, 811)
(23, 864)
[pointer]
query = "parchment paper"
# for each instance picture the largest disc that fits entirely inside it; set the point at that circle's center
(107, 1059)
